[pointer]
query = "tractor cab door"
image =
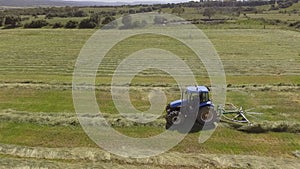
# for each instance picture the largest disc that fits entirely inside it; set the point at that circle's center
(191, 103)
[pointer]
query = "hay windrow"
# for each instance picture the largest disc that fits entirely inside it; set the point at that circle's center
(39, 157)
(297, 153)
(96, 155)
(18, 163)
(70, 119)
(115, 120)
(148, 86)
(267, 126)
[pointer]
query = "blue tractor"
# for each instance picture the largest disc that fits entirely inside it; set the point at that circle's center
(195, 107)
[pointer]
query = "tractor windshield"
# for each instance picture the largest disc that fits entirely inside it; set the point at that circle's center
(199, 97)
(192, 97)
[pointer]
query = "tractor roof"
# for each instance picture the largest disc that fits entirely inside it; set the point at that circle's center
(197, 89)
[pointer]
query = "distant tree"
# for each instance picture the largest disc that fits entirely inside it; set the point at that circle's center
(159, 20)
(25, 18)
(127, 21)
(35, 15)
(1, 21)
(178, 10)
(71, 24)
(237, 13)
(112, 13)
(121, 12)
(143, 9)
(111, 25)
(149, 9)
(12, 21)
(87, 23)
(144, 23)
(137, 24)
(57, 25)
(95, 18)
(159, 11)
(49, 16)
(36, 24)
(108, 19)
(131, 11)
(198, 9)
(209, 12)
(79, 14)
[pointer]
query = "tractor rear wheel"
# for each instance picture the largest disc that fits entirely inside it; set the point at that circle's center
(207, 115)
(174, 118)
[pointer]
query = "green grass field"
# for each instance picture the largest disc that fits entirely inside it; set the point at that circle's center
(261, 57)
(266, 144)
(54, 52)
(283, 17)
(262, 68)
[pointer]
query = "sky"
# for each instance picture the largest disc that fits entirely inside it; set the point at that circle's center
(134, 0)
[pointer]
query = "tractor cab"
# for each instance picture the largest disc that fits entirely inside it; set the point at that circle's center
(192, 94)
(197, 93)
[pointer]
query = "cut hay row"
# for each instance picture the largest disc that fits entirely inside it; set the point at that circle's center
(231, 67)
(231, 70)
(149, 86)
(20, 163)
(70, 119)
(96, 155)
(267, 126)
(40, 156)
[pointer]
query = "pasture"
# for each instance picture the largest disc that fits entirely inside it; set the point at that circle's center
(260, 52)
(261, 65)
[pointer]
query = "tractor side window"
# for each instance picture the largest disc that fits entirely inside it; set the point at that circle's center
(204, 97)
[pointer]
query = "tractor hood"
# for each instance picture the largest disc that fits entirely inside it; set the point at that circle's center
(178, 103)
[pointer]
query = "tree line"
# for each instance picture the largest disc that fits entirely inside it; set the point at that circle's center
(92, 18)
(13, 18)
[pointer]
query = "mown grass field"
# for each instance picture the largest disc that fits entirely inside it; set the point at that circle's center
(262, 68)
(223, 141)
(54, 52)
